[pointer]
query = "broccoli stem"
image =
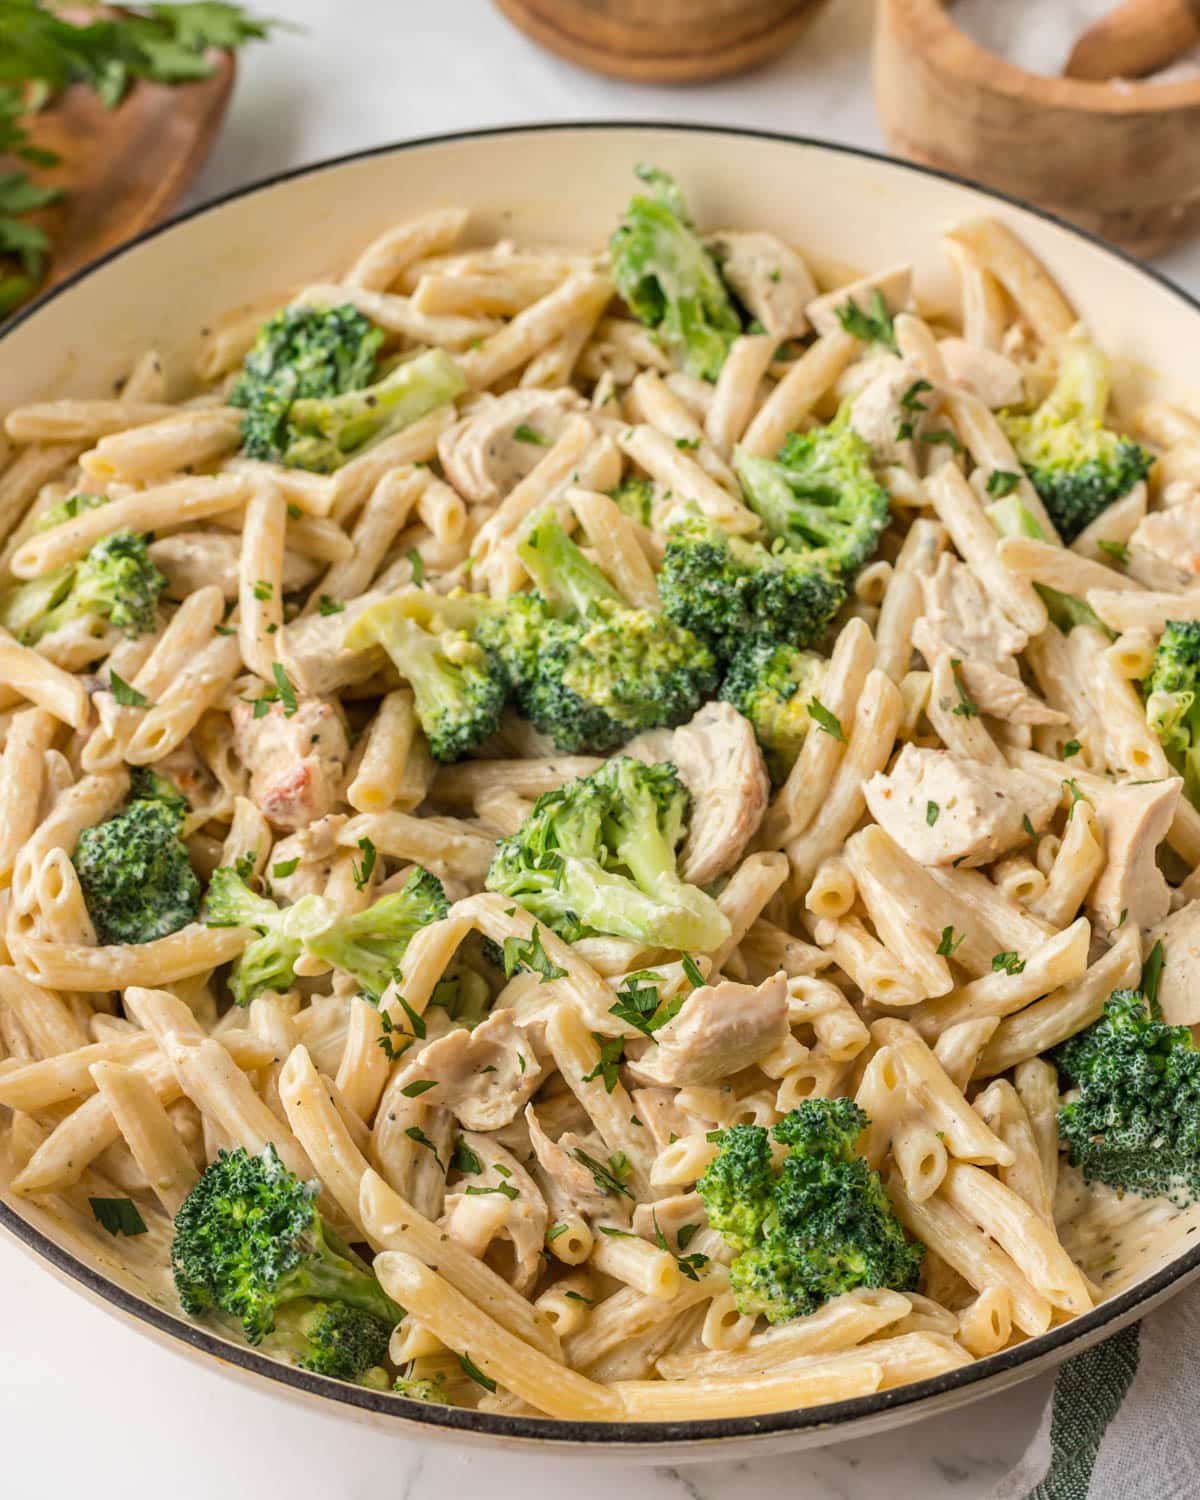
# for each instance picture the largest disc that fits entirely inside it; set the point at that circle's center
(560, 570)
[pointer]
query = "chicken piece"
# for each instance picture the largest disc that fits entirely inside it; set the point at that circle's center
(945, 810)
(194, 559)
(314, 657)
(960, 619)
(296, 758)
(491, 1213)
(1179, 988)
(771, 281)
(489, 453)
(1131, 888)
(1172, 535)
(662, 1117)
(878, 416)
(993, 377)
(564, 1169)
(720, 763)
(486, 1076)
(895, 286)
(315, 848)
(1003, 695)
(720, 1029)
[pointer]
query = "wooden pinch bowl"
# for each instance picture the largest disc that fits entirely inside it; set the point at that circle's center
(1120, 159)
(663, 41)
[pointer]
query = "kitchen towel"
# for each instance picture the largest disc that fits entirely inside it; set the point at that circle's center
(1121, 1423)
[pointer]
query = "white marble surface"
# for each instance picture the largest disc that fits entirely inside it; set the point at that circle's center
(83, 1397)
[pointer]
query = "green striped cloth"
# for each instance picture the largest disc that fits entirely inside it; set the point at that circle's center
(1122, 1423)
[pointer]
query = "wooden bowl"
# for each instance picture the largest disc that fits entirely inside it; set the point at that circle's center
(1119, 159)
(123, 170)
(663, 41)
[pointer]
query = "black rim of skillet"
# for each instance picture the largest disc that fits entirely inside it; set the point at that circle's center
(1118, 1310)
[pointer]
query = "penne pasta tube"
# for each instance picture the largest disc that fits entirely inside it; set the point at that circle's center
(799, 391)
(147, 1130)
(491, 1348)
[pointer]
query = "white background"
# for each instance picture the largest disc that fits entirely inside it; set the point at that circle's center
(87, 1406)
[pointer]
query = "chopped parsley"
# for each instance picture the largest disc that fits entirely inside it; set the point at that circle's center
(326, 605)
(528, 953)
(523, 433)
(284, 868)
(417, 1087)
(1001, 482)
(950, 944)
(126, 696)
(362, 873)
(1007, 963)
(825, 720)
(415, 1133)
(604, 1177)
(932, 813)
(118, 1216)
(872, 326)
(463, 1159)
(471, 1369)
(612, 1049)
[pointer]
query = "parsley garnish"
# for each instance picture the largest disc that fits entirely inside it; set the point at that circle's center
(418, 1087)
(528, 953)
(911, 402)
(284, 868)
(932, 813)
(463, 1159)
(638, 1002)
(579, 1297)
(685, 1234)
(118, 1216)
(830, 723)
(523, 433)
(949, 943)
(1007, 963)
(944, 438)
(555, 1230)
(1027, 825)
(362, 873)
(262, 589)
(415, 1133)
(126, 696)
(874, 326)
(506, 1189)
(244, 864)
(470, 1368)
(964, 708)
(687, 444)
(1072, 747)
(692, 969)
(604, 1178)
(329, 606)
(1118, 551)
(1001, 482)
(417, 563)
(287, 693)
(1152, 975)
(612, 1050)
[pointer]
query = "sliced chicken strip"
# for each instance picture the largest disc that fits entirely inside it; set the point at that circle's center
(719, 1030)
(1131, 888)
(771, 280)
(485, 1076)
(557, 1161)
(296, 756)
(945, 810)
(1179, 988)
(487, 455)
(993, 377)
(505, 1204)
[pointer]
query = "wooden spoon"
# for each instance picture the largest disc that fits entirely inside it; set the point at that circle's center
(123, 169)
(1135, 39)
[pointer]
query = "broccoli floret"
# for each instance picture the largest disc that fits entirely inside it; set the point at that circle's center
(819, 494)
(431, 1389)
(728, 590)
(249, 1241)
(669, 279)
(302, 353)
(1077, 465)
(588, 670)
(772, 686)
(1172, 692)
(137, 880)
(333, 1338)
(1134, 1123)
(326, 431)
(68, 509)
(598, 856)
(634, 497)
(371, 943)
(116, 581)
(459, 689)
(368, 945)
(815, 1226)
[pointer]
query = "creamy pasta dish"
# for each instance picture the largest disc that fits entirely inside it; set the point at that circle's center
(607, 835)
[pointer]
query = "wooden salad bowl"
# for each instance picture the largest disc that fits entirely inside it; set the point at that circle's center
(123, 170)
(1118, 158)
(663, 41)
